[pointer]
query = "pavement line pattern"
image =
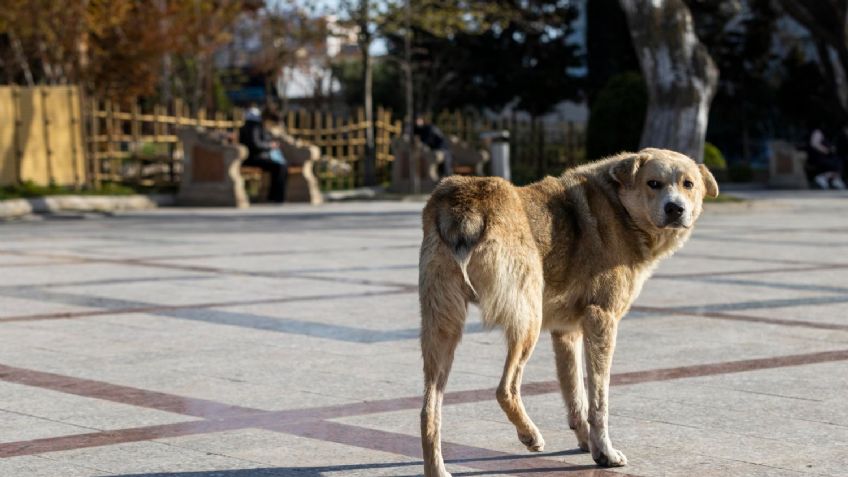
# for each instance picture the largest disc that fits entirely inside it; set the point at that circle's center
(352, 334)
(115, 285)
(314, 422)
(736, 317)
(309, 274)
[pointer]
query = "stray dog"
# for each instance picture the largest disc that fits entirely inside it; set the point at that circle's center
(568, 255)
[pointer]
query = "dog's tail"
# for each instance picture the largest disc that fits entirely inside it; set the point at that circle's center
(461, 231)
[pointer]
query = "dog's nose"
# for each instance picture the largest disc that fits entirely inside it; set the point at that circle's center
(673, 211)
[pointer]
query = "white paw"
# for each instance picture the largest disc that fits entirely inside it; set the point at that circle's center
(609, 458)
(534, 442)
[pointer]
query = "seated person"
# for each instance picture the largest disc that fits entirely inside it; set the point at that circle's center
(821, 155)
(263, 151)
(432, 137)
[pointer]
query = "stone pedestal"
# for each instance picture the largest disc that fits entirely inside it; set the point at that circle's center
(211, 174)
(404, 173)
(786, 166)
(302, 185)
(467, 160)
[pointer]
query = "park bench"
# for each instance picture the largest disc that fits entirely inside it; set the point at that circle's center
(302, 186)
(403, 170)
(301, 157)
(211, 173)
(467, 160)
(787, 166)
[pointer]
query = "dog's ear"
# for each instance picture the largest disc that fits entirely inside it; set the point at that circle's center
(624, 171)
(709, 181)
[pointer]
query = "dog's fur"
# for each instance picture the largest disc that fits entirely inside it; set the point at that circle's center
(568, 255)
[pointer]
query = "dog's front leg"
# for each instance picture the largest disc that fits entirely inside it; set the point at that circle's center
(599, 332)
(569, 365)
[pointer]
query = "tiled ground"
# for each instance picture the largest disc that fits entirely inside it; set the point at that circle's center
(282, 342)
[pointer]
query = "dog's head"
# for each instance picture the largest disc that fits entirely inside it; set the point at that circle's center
(662, 189)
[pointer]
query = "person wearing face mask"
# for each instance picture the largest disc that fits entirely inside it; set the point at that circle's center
(264, 151)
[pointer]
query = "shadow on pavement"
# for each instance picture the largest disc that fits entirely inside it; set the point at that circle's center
(415, 468)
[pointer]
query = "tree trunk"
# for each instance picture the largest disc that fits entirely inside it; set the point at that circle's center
(409, 122)
(367, 84)
(18, 50)
(679, 73)
(165, 92)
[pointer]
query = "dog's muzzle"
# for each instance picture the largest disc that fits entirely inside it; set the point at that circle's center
(675, 216)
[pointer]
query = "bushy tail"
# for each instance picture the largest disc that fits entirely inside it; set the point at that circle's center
(461, 232)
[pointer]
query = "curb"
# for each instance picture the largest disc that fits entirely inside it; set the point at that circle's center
(378, 193)
(15, 208)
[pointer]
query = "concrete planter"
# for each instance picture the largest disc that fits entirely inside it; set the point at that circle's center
(13, 208)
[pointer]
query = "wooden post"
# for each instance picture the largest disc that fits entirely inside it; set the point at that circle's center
(361, 138)
(220, 121)
(96, 168)
(317, 133)
(19, 148)
(110, 125)
(331, 136)
(45, 118)
(178, 112)
(77, 162)
(118, 133)
(135, 138)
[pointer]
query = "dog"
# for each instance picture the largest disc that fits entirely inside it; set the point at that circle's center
(568, 255)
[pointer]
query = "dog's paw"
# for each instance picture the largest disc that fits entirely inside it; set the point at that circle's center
(534, 442)
(614, 458)
(583, 444)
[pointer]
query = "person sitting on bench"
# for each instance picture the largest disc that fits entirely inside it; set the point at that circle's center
(263, 151)
(821, 156)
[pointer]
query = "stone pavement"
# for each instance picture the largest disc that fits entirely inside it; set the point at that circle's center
(282, 342)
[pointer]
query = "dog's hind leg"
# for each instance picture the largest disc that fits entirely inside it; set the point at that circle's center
(569, 365)
(443, 310)
(521, 343)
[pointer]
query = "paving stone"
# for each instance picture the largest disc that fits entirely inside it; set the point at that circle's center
(283, 341)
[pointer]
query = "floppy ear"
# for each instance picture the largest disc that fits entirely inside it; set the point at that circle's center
(709, 181)
(624, 171)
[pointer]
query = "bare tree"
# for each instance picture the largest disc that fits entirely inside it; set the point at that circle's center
(361, 14)
(679, 72)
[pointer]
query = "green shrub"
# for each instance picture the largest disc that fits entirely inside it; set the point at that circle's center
(616, 116)
(713, 158)
(29, 190)
(741, 172)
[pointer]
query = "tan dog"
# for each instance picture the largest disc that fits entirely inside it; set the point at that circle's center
(568, 255)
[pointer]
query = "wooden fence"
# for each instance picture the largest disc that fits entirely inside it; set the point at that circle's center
(56, 137)
(138, 146)
(343, 139)
(41, 138)
(537, 147)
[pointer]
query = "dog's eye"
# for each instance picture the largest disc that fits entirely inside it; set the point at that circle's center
(654, 184)
(688, 184)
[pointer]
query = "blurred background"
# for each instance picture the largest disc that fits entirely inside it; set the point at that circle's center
(95, 89)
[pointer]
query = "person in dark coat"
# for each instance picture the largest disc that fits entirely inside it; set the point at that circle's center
(433, 137)
(264, 151)
(821, 155)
